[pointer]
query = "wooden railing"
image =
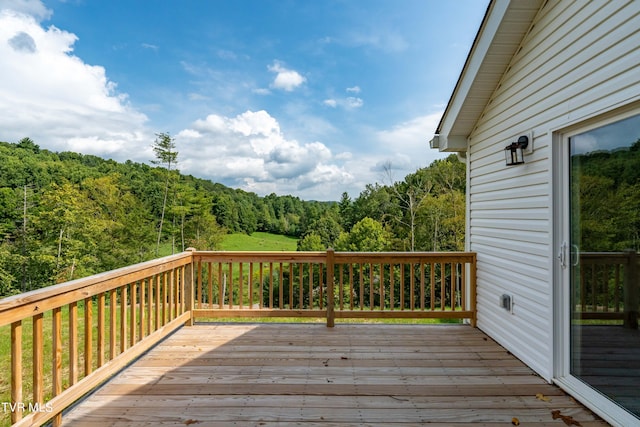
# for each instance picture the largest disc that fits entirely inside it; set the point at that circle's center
(335, 285)
(82, 332)
(609, 287)
(67, 339)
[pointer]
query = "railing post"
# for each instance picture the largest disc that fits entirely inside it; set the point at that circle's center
(189, 288)
(331, 315)
(472, 290)
(631, 290)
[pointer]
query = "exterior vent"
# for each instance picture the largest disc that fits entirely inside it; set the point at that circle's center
(506, 302)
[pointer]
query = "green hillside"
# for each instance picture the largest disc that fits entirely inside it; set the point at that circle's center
(67, 215)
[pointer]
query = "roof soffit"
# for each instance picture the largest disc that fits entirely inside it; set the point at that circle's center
(500, 35)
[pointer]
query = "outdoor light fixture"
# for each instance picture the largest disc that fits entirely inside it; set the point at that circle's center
(514, 152)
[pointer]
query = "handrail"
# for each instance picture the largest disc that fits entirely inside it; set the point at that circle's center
(129, 309)
(96, 325)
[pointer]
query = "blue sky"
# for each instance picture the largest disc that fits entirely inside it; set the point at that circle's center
(310, 98)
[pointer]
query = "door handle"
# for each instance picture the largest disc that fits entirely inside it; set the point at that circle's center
(562, 255)
(576, 254)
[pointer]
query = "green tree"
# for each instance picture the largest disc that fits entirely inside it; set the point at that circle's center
(441, 220)
(28, 144)
(164, 148)
(8, 285)
(124, 221)
(345, 208)
(327, 228)
(375, 202)
(201, 230)
(409, 194)
(367, 235)
(311, 242)
(70, 229)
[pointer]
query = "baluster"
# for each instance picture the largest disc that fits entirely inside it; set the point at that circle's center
(300, 286)
(73, 343)
(432, 285)
(101, 323)
(443, 286)
(402, 280)
(88, 336)
(141, 290)
(240, 286)
(210, 282)
(412, 284)
(392, 286)
(123, 318)
(132, 313)
(422, 286)
(56, 369)
(38, 361)
(113, 302)
(382, 293)
(453, 286)
(16, 368)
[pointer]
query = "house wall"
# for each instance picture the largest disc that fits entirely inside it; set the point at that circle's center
(579, 60)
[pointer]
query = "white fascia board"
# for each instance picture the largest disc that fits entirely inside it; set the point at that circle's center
(471, 69)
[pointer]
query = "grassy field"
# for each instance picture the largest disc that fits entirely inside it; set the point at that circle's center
(258, 242)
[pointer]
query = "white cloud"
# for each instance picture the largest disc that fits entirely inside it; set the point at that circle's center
(227, 54)
(150, 46)
(353, 102)
(349, 103)
(413, 132)
(285, 79)
(387, 41)
(189, 134)
(330, 103)
(33, 8)
(56, 99)
(408, 143)
(198, 97)
(251, 152)
(346, 155)
(354, 89)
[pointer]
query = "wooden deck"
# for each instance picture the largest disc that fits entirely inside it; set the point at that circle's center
(308, 374)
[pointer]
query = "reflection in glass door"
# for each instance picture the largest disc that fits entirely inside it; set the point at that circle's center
(604, 274)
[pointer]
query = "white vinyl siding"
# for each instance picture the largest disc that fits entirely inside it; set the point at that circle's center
(579, 60)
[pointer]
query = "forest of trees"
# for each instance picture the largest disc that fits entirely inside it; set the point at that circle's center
(66, 215)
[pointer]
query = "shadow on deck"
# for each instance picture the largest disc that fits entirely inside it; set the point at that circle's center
(308, 374)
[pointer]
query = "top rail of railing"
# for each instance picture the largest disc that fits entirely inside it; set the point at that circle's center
(27, 304)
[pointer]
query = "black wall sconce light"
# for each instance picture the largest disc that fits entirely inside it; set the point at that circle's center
(514, 152)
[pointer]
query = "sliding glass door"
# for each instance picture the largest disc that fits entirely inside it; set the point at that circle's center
(600, 252)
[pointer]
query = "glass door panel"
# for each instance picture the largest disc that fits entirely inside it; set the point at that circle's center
(604, 188)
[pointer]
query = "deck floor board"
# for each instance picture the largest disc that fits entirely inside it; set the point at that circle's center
(308, 375)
